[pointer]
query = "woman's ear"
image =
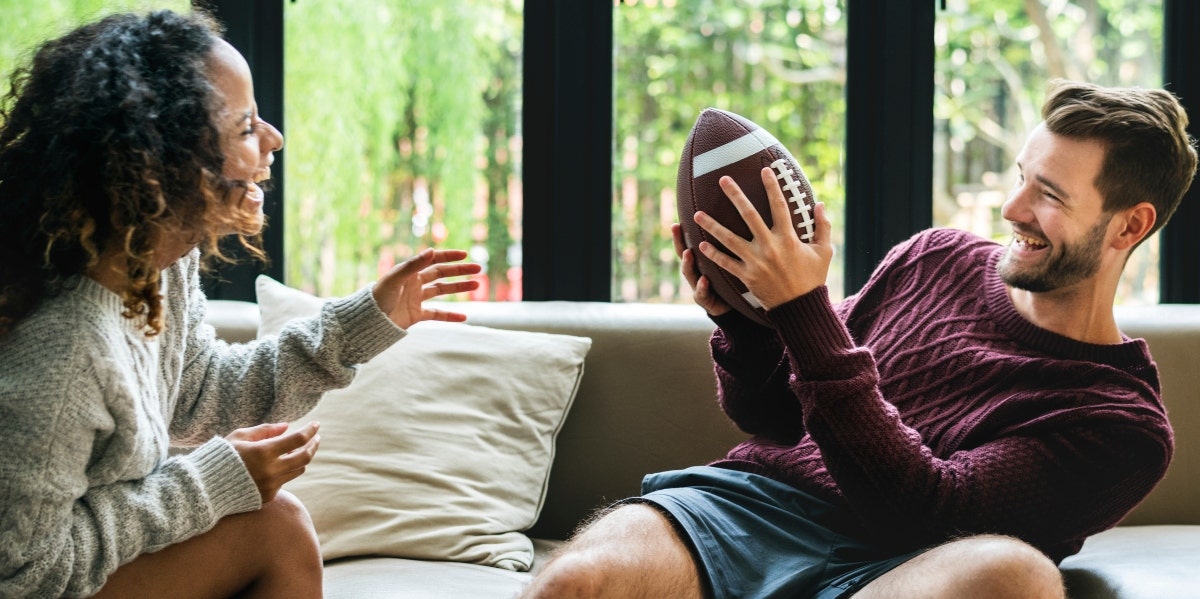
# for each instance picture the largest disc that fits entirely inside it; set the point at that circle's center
(1135, 224)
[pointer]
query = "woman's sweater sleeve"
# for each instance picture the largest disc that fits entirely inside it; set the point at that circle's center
(63, 535)
(278, 378)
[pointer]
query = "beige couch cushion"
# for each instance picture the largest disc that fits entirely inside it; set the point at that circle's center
(441, 447)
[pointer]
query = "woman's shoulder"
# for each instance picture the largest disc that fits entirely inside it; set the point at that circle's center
(51, 374)
(73, 327)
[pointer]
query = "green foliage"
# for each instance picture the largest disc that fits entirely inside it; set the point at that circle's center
(26, 23)
(387, 127)
(780, 63)
(994, 58)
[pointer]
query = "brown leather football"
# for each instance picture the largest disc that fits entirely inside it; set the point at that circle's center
(724, 143)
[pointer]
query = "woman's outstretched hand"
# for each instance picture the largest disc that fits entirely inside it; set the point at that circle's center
(401, 292)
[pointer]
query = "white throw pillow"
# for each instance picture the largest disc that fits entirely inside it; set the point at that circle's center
(441, 447)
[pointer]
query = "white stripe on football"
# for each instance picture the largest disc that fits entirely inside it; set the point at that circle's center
(733, 152)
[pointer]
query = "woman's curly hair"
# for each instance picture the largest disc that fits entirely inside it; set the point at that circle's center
(108, 144)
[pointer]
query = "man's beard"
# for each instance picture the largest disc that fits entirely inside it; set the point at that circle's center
(1073, 264)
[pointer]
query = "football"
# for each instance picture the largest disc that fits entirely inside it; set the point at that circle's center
(724, 143)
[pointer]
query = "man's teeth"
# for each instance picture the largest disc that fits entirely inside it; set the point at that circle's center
(1029, 241)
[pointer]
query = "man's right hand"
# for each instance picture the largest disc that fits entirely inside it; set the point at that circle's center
(272, 457)
(702, 293)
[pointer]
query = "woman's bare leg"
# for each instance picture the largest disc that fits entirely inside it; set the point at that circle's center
(272, 552)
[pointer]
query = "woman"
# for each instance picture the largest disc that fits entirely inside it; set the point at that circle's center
(127, 148)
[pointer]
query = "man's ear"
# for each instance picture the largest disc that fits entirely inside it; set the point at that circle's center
(1134, 223)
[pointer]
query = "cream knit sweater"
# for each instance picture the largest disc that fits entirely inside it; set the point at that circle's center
(89, 406)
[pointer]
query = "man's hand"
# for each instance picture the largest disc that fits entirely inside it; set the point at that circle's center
(272, 457)
(773, 264)
(401, 291)
(702, 294)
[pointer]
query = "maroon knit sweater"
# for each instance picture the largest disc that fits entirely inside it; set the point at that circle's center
(930, 408)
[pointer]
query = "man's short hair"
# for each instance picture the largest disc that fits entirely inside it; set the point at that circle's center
(1149, 156)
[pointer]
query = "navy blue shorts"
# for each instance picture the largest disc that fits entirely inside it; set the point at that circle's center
(756, 538)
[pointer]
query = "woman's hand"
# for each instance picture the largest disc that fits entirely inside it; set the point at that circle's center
(702, 294)
(401, 291)
(272, 457)
(773, 264)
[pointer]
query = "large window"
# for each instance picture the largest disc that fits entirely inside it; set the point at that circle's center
(994, 58)
(402, 126)
(545, 199)
(780, 63)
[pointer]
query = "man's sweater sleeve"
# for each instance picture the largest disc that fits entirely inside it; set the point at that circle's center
(752, 378)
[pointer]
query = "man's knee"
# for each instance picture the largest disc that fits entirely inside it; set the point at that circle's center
(571, 575)
(581, 568)
(983, 566)
(1010, 566)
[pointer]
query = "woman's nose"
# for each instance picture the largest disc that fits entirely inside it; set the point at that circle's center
(274, 137)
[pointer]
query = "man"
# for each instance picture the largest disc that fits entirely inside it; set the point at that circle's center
(956, 428)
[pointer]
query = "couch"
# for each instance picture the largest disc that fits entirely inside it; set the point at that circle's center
(645, 403)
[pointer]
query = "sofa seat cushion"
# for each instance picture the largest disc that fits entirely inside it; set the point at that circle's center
(1127, 562)
(400, 578)
(1137, 562)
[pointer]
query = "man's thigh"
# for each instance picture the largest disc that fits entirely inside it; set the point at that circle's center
(632, 550)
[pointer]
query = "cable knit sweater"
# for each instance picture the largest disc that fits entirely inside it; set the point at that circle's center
(929, 407)
(89, 406)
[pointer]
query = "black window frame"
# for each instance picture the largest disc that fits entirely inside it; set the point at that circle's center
(568, 119)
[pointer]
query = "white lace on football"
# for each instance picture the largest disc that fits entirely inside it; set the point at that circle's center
(750, 299)
(794, 196)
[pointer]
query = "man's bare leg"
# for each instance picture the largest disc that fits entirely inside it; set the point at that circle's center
(631, 552)
(980, 567)
(272, 552)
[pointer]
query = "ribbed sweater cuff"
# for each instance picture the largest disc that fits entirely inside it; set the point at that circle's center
(811, 329)
(367, 328)
(740, 329)
(224, 477)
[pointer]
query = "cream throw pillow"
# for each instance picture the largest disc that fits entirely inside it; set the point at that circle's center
(441, 447)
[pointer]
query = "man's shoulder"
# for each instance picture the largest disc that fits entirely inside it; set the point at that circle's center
(949, 236)
(942, 244)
